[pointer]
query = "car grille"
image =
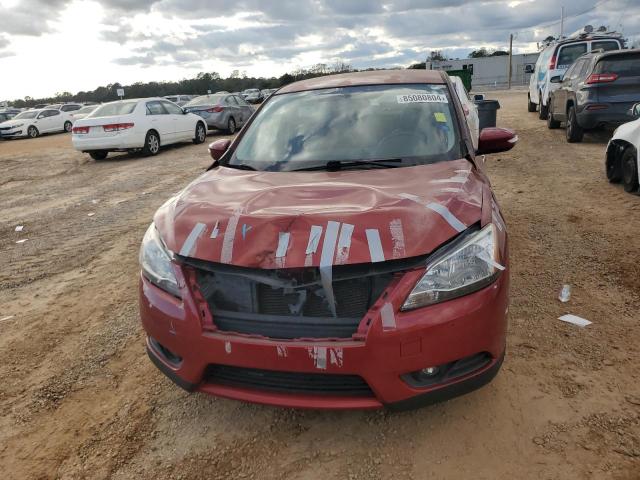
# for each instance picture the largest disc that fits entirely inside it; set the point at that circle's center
(289, 303)
(288, 382)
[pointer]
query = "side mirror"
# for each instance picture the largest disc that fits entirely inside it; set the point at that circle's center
(478, 97)
(556, 79)
(218, 148)
(635, 111)
(495, 140)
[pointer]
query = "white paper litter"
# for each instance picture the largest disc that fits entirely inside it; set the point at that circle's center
(90, 214)
(574, 319)
(19, 228)
(6, 318)
(22, 241)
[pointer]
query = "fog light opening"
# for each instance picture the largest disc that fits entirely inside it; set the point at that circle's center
(430, 371)
(168, 355)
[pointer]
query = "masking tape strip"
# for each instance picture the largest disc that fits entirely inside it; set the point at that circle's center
(229, 236)
(319, 357)
(326, 263)
(283, 244)
(216, 230)
(397, 237)
(490, 261)
(314, 239)
(410, 196)
(344, 243)
(455, 179)
(375, 245)
(388, 317)
(448, 216)
(190, 242)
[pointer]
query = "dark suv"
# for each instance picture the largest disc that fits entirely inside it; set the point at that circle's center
(597, 90)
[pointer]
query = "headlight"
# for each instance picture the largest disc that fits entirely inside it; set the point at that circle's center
(155, 260)
(17, 126)
(463, 267)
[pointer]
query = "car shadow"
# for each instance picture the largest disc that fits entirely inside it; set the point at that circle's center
(599, 136)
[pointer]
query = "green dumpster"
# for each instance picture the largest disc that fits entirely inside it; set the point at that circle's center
(465, 75)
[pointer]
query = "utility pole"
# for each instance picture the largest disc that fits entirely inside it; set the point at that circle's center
(561, 22)
(510, 55)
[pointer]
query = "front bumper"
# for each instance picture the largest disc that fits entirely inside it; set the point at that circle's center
(12, 134)
(429, 336)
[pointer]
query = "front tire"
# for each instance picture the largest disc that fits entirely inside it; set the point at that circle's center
(575, 133)
(231, 126)
(68, 126)
(629, 165)
(201, 134)
(151, 144)
(98, 154)
(32, 132)
(531, 107)
(544, 110)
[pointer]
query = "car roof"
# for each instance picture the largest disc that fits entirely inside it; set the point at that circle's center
(592, 38)
(374, 77)
(609, 53)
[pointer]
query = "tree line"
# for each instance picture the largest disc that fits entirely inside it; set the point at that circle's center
(199, 85)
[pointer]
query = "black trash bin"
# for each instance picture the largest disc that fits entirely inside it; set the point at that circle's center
(487, 112)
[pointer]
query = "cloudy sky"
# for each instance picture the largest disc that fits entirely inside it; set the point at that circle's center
(49, 46)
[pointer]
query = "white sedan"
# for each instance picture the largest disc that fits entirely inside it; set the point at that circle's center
(623, 153)
(141, 124)
(34, 122)
(82, 113)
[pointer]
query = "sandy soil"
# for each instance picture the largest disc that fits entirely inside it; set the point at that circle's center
(79, 398)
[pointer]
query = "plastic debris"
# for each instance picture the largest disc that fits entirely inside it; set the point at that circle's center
(90, 214)
(22, 241)
(94, 201)
(565, 293)
(7, 318)
(575, 320)
(19, 228)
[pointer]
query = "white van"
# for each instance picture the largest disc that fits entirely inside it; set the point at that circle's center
(557, 57)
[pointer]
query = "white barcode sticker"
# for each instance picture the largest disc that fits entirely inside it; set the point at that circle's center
(423, 98)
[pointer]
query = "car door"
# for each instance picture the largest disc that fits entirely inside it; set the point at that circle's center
(183, 127)
(561, 95)
(48, 120)
(160, 120)
(245, 110)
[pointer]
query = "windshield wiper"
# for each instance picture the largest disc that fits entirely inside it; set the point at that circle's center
(240, 166)
(334, 165)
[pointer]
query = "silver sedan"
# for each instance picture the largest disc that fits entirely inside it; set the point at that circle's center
(221, 111)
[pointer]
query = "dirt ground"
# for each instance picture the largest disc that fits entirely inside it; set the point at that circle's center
(80, 399)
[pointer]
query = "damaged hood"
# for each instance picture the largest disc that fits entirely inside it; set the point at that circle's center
(296, 219)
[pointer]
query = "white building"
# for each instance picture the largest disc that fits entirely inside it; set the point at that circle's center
(492, 71)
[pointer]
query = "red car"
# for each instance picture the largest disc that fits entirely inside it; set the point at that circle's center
(344, 251)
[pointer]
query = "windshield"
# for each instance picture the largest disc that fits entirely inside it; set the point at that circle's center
(114, 109)
(29, 114)
(87, 109)
(205, 100)
(413, 123)
(627, 65)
